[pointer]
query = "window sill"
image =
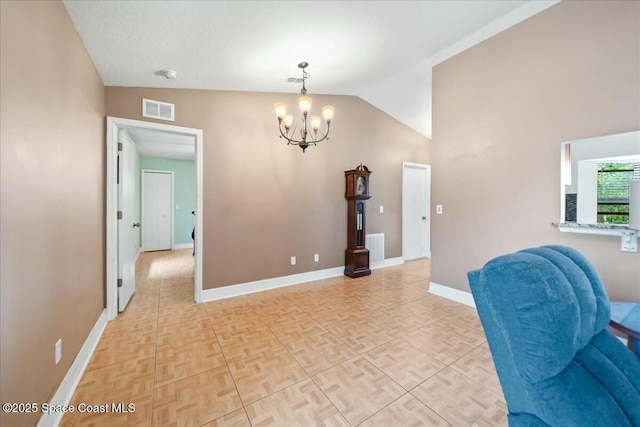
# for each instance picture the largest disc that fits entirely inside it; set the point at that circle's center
(604, 229)
(628, 236)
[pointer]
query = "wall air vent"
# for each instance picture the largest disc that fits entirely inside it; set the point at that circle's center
(158, 110)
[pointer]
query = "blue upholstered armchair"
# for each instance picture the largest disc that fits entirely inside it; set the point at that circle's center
(545, 312)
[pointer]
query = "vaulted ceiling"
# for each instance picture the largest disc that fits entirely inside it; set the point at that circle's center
(381, 51)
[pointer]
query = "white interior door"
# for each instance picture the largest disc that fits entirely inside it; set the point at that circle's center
(416, 202)
(157, 209)
(126, 232)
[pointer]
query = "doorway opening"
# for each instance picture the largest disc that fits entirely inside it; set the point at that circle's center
(174, 138)
(416, 211)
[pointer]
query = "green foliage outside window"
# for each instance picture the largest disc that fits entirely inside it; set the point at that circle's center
(613, 192)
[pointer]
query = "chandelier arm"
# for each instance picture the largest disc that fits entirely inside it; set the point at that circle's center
(290, 140)
(293, 141)
(294, 131)
(324, 135)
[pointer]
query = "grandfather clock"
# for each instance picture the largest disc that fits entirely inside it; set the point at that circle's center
(356, 256)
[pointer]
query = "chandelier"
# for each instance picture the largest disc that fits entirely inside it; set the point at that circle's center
(309, 127)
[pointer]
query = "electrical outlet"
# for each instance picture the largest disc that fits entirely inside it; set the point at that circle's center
(316, 257)
(629, 241)
(58, 350)
(293, 260)
(439, 209)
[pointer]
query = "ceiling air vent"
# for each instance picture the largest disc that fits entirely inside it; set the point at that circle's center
(294, 80)
(158, 110)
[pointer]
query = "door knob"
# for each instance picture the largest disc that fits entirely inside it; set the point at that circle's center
(424, 217)
(136, 224)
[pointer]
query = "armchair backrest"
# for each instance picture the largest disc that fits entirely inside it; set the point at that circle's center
(541, 308)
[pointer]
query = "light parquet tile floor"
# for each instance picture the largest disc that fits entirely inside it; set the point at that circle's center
(374, 351)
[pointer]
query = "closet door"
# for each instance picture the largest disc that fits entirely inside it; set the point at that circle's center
(157, 204)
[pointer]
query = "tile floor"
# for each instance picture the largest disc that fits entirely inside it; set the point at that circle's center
(374, 351)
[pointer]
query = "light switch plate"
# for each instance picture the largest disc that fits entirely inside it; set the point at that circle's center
(381, 209)
(293, 260)
(439, 209)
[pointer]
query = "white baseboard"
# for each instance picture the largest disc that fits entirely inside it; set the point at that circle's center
(388, 262)
(453, 294)
(279, 282)
(67, 387)
(183, 246)
(266, 284)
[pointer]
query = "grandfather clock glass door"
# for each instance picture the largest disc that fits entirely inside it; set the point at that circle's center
(360, 224)
(357, 192)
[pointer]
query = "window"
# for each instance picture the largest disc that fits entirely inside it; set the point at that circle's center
(613, 191)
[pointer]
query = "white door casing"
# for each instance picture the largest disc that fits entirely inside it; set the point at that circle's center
(113, 125)
(126, 232)
(157, 210)
(416, 207)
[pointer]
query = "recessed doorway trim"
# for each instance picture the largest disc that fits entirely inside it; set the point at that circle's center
(113, 124)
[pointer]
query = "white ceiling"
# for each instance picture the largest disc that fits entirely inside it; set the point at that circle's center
(170, 145)
(381, 51)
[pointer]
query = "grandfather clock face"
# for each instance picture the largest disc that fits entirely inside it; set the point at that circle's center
(357, 181)
(361, 185)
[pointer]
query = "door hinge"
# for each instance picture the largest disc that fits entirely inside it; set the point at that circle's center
(119, 146)
(119, 214)
(119, 283)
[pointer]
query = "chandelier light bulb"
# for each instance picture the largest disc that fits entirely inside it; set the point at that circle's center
(305, 103)
(315, 123)
(327, 113)
(281, 110)
(288, 120)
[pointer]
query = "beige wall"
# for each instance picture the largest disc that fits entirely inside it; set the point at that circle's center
(265, 201)
(52, 199)
(500, 112)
